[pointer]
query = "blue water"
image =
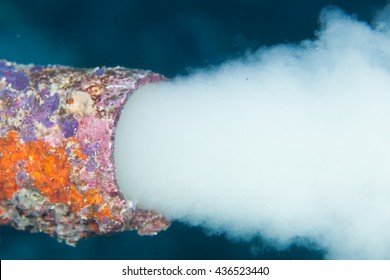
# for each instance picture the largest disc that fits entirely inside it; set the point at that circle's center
(168, 37)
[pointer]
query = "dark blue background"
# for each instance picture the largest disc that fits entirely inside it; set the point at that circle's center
(168, 37)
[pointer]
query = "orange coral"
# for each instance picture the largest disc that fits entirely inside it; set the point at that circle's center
(9, 156)
(49, 171)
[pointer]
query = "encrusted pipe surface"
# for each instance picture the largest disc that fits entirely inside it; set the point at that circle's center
(57, 170)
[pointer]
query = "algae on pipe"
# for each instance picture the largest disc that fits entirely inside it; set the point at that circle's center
(57, 170)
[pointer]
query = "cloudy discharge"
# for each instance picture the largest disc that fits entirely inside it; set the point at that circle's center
(290, 142)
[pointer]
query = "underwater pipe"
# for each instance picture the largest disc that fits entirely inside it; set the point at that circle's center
(57, 170)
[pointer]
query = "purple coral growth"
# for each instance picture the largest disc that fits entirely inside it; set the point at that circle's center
(18, 80)
(69, 126)
(29, 103)
(91, 148)
(48, 107)
(100, 71)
